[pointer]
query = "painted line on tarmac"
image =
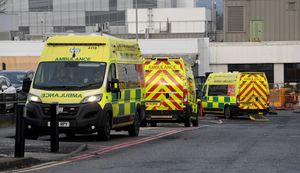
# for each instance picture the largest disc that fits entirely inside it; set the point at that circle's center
(123, 145)
(105, 150)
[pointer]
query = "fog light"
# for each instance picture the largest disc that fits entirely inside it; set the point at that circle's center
(92, 127)
(29, 126)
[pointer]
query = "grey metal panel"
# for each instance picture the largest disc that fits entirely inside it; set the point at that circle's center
(280, 23)
(124, 4)
(236, 18)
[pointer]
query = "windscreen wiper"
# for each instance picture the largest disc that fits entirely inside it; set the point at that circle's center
(89, 85)
(58, 87)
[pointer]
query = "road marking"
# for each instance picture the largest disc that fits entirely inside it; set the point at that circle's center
(105, 150)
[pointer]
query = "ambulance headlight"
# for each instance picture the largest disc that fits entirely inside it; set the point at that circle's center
(95, 98)
(33, 98)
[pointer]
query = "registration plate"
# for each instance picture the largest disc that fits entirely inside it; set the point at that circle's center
(152, 103)
(61, 124)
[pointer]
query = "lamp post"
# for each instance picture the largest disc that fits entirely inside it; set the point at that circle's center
(136, 21)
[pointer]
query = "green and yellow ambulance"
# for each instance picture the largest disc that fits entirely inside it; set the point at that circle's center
(97, 82)
(236, 93)
(170, 93)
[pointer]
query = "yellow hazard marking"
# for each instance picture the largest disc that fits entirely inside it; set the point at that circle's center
(258, 117)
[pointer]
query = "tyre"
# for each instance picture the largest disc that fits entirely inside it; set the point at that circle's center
(187, 122)
(104, 131)
(153, 124)
(227, 113)
(144, 123)
(134, 129)
(195, 123)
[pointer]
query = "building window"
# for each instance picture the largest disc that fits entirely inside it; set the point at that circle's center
(24, 29)
(78, 29)
(235, 19)
(267, 68)
(40, 5)
(115, 18)
(292, 72)
(146, 3)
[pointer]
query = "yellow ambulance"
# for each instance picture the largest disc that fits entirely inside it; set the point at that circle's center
(97, 81)
(235, 93)
(170, 94)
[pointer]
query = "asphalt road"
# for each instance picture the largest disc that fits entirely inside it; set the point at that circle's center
(236, 145)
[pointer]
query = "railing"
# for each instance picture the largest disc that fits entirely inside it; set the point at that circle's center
(144, 27)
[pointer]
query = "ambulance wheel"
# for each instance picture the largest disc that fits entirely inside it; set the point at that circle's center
(227, 113)
(187, 122)
(134, 129)
(153, 124)
(104, 132)
(30, 134)
(195, 123)
(144, 123)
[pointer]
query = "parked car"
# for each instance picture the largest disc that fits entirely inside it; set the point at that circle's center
(9, 91)
(16, 77)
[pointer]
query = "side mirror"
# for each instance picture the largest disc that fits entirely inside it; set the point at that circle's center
(26, 85)
(4, 87)
(114, 85)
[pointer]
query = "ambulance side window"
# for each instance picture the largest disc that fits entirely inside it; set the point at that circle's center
(217, 90)
(128, 76)
(112, 72)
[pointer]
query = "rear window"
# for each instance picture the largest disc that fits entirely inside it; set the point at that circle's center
(217, 90)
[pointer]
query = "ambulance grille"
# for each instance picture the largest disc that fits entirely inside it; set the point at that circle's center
(67, 110)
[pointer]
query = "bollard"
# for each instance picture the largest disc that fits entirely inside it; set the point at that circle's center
(54, 127)
(20, 137)
(2, 104)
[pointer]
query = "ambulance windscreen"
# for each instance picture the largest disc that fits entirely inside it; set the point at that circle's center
(69, 75)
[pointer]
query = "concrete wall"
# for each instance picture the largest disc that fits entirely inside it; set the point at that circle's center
(20, 55)
(277, 53)
(252, 52)
(20, 62)
(186, 3)
(193, 21)
(9, 22)
(210, 57)
(280, 23)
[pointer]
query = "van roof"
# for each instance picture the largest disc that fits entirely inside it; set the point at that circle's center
(86, 39)
(167, 58)
(229, 77)
(62, 48)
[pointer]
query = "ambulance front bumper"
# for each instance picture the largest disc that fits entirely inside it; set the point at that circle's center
(73, 118)
(165, 115)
